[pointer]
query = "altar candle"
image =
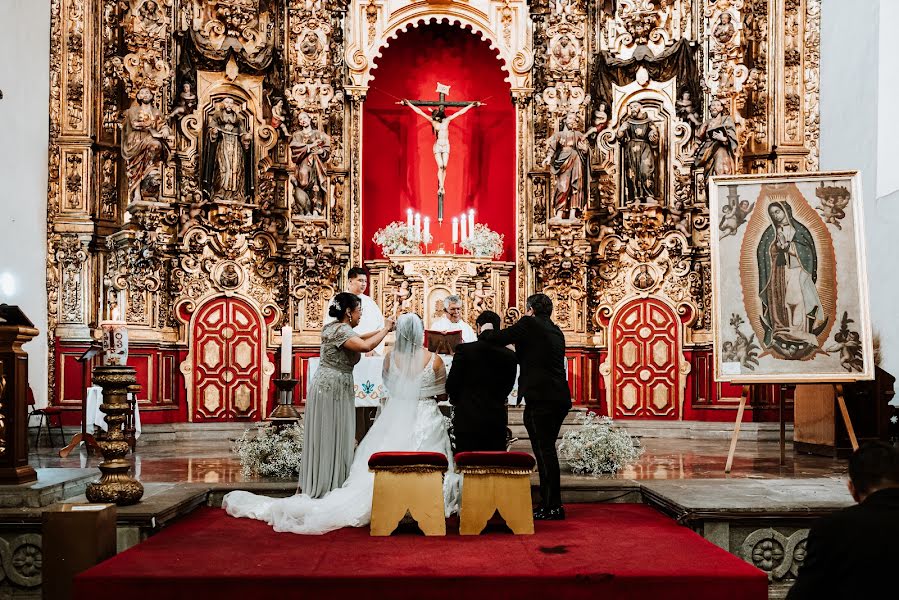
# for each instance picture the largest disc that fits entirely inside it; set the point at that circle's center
(462, 228)
(455, 230)
(427, 228)
(409, 218)
(470, 221)
(417, 227)
(286, 350)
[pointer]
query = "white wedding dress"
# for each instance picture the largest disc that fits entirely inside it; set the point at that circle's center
(410, 421)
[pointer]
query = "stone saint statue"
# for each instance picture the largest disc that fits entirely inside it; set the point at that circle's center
(718, 142)
(309, 150)
(440, 122)
(229, 166)
(146, 140)
(639, 139)
(567, 156)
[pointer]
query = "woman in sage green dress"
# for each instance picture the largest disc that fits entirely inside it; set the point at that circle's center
(330, 418)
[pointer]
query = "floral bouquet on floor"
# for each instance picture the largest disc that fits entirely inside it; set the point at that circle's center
(399, 238)
(484, 242)
(597, 447)
(271, 450)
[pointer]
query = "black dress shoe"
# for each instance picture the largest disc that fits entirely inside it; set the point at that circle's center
(552, 514)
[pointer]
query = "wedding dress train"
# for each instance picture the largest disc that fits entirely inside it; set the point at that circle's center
(410, 421)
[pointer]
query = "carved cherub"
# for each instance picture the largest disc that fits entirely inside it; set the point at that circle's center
(402, 298)
(686, 111)
(277, 120)
(479, 298)
(600, 121)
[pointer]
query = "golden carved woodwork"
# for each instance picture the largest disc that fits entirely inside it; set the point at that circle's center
(179, 246)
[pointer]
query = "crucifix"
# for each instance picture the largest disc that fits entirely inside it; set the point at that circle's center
(440, 123)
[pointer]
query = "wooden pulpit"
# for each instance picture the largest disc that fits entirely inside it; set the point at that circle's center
(15, 330)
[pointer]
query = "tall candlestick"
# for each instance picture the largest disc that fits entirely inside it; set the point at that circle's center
(286, 350)
(455, 230)
(417, 227)
(462, 228)
(470, 221)
(427, 229)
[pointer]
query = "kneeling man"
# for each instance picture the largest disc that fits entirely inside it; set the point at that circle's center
(479, 383)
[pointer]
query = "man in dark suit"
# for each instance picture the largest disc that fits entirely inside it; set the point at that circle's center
(479, 382)
(540, 350)
(853, 553)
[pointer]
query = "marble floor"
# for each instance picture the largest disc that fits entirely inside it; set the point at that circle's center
(211, 461)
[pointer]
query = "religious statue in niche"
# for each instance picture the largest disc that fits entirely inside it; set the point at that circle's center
(152, 19)
(146, 140)
(309, 151)
(686, 111)
(277, 118)
(187, 102)
(564, 53)
(567, 157)
(639, 138)
(718, 142)
(228, 172)
(724, 31)
(792, 314)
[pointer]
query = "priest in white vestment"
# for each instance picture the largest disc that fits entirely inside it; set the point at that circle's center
(452, 320)
(372, 318)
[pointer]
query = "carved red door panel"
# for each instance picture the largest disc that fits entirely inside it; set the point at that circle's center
(645, 355)
(227, 361)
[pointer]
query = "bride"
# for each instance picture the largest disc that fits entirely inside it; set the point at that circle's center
(410, 421)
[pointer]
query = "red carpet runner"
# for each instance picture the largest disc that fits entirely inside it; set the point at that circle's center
(602, 551)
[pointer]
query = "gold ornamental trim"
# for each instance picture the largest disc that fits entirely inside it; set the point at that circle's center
(493, 471)
(409, 469)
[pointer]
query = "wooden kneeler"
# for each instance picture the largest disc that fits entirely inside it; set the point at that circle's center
(407, 482)
(496, 482)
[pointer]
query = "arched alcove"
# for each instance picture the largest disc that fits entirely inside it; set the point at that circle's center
(398, 167)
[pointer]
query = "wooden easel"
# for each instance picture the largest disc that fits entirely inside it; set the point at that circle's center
(838, 391)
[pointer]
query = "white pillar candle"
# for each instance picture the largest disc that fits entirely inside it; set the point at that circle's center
(427, 228)
(417, 227)
(409, 218)
(286, 350)
(470, 221)
(463, 228)
(455, 230)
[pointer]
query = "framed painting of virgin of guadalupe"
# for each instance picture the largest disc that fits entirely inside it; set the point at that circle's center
(789, 283)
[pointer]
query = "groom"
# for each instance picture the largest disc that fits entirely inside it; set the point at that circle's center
(540, 348)
(478, 384)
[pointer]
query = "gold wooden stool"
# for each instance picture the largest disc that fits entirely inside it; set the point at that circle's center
(496, 481)
(408, 481)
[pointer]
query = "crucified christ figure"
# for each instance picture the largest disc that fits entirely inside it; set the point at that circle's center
(440, 122)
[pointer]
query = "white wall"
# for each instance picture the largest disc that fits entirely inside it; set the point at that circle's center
(859, 130)
(24, 131)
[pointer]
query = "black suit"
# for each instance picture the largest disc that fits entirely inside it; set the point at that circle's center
(478, 385)
(540, 350)
(853, 553)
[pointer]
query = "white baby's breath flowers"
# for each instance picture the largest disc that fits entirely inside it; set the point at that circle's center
(597, 447)
(271, 451)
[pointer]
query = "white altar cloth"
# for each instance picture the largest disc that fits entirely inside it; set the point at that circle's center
(95, 417)
(369, 386)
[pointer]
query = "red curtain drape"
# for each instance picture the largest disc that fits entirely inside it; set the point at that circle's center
(398, 167)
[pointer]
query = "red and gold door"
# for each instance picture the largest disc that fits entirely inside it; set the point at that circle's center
(645, 354)
(227, 340)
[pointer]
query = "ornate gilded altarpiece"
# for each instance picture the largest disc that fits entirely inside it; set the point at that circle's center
(205, 164)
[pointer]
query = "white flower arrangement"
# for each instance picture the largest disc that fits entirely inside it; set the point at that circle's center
(598, 447)
(399, 238)
(484, 242)
(271, 451)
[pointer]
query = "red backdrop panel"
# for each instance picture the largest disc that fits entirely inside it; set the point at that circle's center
(398, 168)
